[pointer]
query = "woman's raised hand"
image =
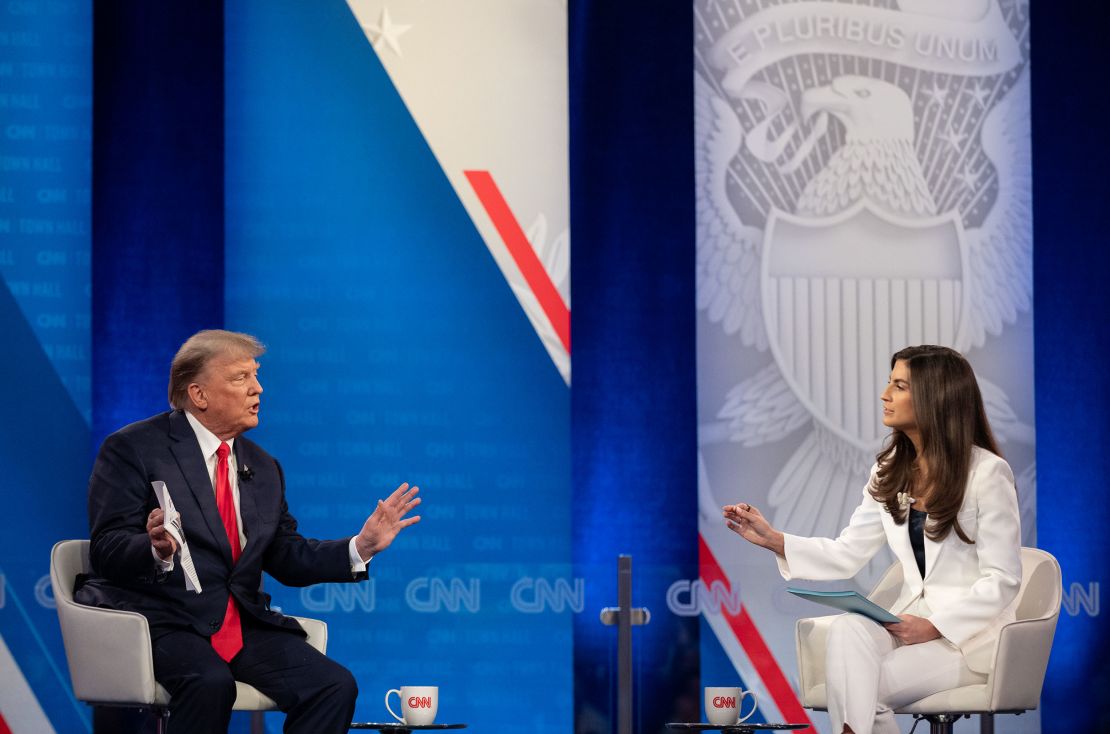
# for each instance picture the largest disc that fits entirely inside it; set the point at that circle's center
(749, 523)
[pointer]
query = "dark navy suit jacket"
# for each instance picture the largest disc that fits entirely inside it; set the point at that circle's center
(125, 574)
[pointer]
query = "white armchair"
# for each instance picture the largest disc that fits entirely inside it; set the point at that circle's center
(109, 651)
(1014, 683)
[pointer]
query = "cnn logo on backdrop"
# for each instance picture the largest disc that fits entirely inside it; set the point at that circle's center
(724, 702)
(420, 702)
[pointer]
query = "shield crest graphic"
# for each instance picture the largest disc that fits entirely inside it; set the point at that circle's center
(842, 293)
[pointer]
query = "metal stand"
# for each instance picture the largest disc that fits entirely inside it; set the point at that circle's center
(940, 723)
(943, 723)
(625, 617)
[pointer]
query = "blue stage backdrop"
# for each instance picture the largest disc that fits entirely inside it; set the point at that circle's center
(1071, 268)
(45, 103)
(157, 197)
(397, 353)
(634, 415)
(45, 111)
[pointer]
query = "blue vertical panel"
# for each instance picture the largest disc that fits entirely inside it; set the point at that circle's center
(633, 398)
(157, 208)
(1071, 269)
(396, 352)
(45, 101)
(157, 197)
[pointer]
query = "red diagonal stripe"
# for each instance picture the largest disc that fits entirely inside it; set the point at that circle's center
(752, 642)
(522, 253)
(4, 726)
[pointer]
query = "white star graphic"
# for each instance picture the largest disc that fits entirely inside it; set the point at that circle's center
(979, 94)
(387, 32)
(969, 179)
(937, 95)
(953, 138)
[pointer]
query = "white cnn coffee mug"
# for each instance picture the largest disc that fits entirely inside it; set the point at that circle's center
(722, 705)
(419, 704)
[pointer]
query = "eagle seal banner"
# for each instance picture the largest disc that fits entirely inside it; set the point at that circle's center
(863, 184)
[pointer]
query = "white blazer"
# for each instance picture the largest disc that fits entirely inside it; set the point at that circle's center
(971, 590)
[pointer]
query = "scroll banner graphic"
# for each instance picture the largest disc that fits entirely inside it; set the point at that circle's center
(970, 47)
(862, 184)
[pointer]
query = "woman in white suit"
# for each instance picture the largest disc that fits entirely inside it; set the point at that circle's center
(944, 500)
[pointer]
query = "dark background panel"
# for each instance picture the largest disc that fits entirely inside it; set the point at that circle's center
(158, 196)
(1071, 227)
(633, 417)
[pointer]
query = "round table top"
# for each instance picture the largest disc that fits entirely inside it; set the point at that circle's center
(743, 728)
(396, 726)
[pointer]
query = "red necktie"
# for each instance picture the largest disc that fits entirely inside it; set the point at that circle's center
(228, 641)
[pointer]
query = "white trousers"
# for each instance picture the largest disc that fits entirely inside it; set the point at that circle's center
(869, 673)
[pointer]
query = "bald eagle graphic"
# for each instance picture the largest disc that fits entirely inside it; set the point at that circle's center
(877, 160)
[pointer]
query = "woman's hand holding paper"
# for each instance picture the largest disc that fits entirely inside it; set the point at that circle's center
(913, 630)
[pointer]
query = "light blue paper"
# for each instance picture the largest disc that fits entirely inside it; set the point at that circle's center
(848, 601)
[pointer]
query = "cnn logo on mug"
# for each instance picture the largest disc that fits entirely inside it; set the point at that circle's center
(722, 705)
(419, 704)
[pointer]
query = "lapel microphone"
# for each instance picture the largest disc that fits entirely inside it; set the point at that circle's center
(245, 473)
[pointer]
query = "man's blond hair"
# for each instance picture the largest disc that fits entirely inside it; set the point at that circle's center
(200, 349)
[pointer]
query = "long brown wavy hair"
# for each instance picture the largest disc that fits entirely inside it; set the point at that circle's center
(951, 419)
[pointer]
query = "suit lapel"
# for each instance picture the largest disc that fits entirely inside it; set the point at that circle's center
(248, 509)
(186, 450)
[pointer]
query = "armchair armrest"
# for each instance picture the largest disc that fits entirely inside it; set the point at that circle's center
(1020, 664)
(811, 637)
(109, 654)
(317, 632)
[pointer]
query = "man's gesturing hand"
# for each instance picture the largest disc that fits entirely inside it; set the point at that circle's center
(386, 521)
(164, 544)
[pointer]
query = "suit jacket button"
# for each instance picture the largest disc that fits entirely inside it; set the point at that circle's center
(214, 625)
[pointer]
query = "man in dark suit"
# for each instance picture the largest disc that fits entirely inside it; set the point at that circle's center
(231, 498)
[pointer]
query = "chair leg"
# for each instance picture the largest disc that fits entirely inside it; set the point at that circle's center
(940, 723)
(986, 723)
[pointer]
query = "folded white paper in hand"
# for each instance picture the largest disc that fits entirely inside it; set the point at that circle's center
(172, 523)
